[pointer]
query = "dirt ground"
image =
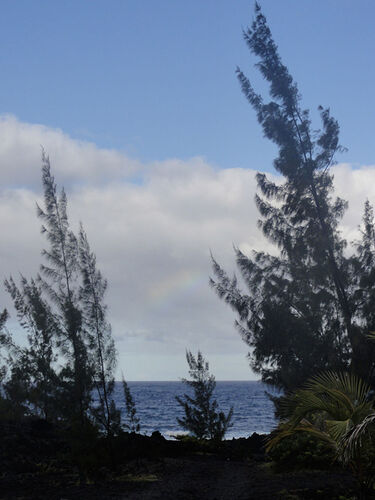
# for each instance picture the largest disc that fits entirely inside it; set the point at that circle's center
(185, 478)
(37, 462)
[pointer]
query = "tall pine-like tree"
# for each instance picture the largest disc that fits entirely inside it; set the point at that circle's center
(66, 369)
(301, 313)
(60, 280)
(102, 351)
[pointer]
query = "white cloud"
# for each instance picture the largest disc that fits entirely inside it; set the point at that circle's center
(354, 185)
(152, 238)
(74, 161)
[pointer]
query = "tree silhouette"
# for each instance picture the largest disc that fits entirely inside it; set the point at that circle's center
(59, 279)
(301, 313)
(70, 353)
(202, 417)
(102, 351)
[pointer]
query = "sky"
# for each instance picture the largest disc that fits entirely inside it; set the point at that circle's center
(137, 104)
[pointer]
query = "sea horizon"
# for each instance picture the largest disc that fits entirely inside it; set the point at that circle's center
(181, 380)
(158, 410)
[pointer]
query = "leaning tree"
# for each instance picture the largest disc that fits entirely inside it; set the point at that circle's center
(308, 308)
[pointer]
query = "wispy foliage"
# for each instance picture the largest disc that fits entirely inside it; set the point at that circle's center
(70, 350)
(131, 421)
(101, 345)
(202, 417)
(59, 279)
(302, 311)
(36, 361)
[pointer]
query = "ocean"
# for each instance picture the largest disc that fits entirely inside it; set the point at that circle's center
(157, 407)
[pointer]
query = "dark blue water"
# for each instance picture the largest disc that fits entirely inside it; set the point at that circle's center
(157, 407)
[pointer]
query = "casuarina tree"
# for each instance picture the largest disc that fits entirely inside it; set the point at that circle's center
(59, 278)
(202, 417)
(304, 309)
(131, 422)
(102, 353)
(66, 369)
(33, 366)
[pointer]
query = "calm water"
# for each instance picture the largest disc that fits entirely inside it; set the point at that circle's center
(158, 409)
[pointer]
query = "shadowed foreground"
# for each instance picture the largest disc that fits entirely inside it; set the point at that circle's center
(40, 462)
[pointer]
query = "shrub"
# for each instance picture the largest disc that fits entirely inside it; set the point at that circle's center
(301, 451)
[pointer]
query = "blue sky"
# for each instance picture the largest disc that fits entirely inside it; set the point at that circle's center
(156, 78)
(119, 90)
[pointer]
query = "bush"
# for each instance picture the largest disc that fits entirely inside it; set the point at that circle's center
(301, 451)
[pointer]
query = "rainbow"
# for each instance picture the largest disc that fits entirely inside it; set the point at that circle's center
(182, 282)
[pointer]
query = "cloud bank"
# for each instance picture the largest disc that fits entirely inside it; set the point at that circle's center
(152, 227)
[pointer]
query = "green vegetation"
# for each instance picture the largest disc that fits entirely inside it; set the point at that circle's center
(202, 417)
(301, 451)
(334, 408)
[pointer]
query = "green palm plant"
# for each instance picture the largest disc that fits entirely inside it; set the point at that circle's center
(336, 408)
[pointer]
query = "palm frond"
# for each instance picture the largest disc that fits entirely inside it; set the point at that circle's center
(338, 428)
(353, 440)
